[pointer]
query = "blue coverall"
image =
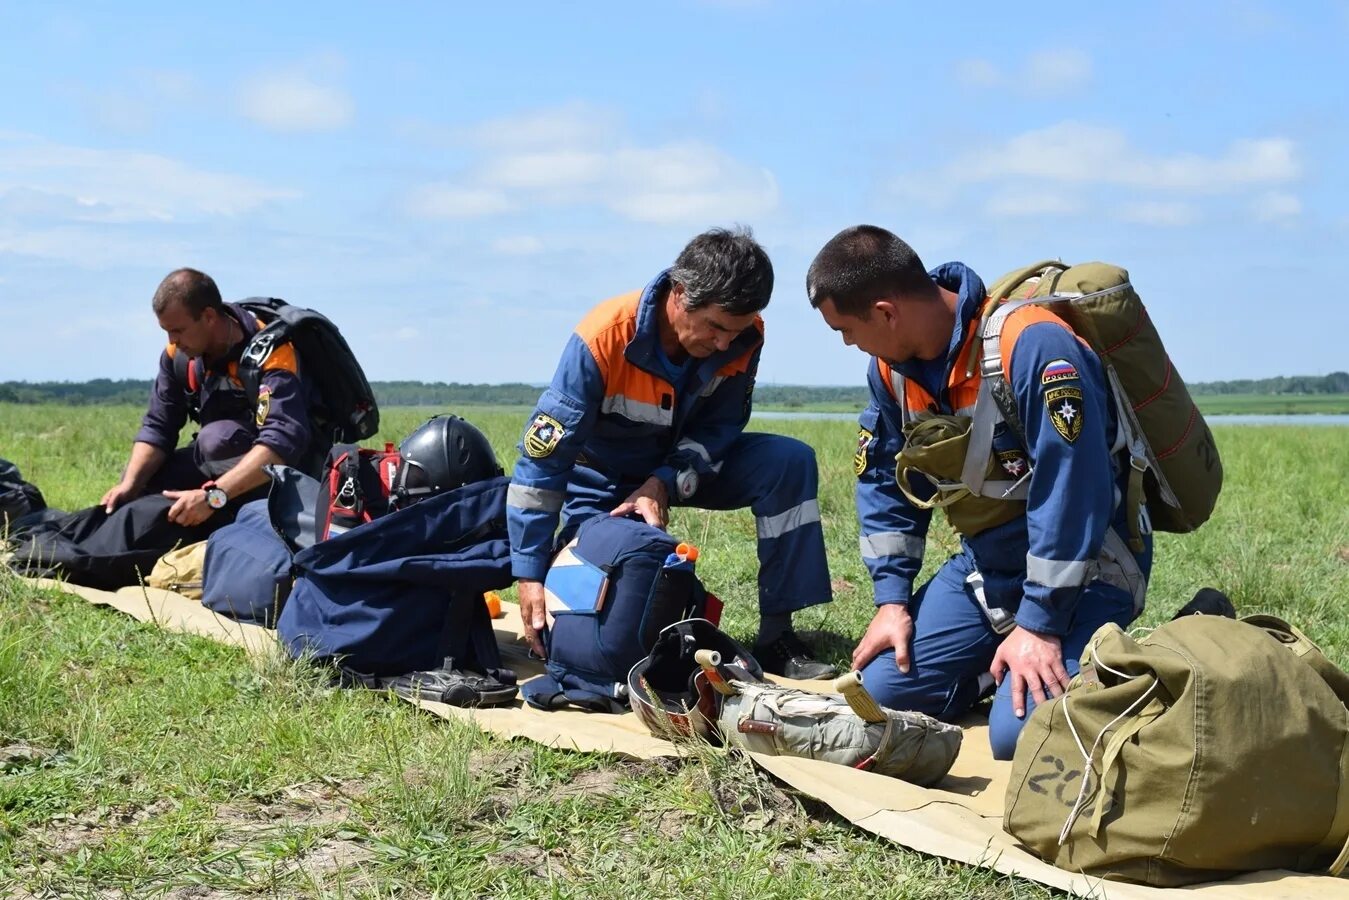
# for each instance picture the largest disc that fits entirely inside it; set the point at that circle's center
(618, 412)
(1044, 565)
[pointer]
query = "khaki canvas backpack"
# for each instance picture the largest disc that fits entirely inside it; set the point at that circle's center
(180, 570)
(1175, 460)
(1203, 750)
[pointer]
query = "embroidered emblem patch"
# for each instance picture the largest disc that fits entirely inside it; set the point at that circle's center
(1065, 408)
(1058, 370)
(859, 457)
(1013, 462)
(543, 436)
(264, 405)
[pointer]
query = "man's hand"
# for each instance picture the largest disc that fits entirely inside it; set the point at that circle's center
(533, 612)
(650, 501)
(189, 507)
(1035, 661)
(119, 493)
(892, 626)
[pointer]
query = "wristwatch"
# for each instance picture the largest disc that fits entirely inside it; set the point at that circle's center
(686, 483)
(215, 497)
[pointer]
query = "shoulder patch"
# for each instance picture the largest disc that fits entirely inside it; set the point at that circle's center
(859, 457)
(543, 436)
(1058, 370)
(1065, 408)
(264, 405)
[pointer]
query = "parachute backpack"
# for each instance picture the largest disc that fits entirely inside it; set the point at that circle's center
(1172, 453)
(346, 410)
(610, 593)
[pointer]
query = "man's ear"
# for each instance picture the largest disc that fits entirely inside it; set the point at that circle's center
(887, 310)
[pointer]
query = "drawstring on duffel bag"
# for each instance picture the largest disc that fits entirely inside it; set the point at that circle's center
(1111, 753)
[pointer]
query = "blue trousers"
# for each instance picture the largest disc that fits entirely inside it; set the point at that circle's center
(776, 477)
(953, 646)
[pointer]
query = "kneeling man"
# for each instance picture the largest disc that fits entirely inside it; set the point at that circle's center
(647, 409)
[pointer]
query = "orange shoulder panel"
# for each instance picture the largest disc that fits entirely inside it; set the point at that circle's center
(1018, 321)
(281, 358)
(608, 328)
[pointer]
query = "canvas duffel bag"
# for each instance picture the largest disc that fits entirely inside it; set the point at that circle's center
(1205, 749)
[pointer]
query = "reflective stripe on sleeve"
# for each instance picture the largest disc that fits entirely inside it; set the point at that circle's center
(891, 543)
(1053, 573)
(524, 497)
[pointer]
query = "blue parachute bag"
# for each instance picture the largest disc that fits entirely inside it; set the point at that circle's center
(246, 573)
(610, 593)
(401, 593)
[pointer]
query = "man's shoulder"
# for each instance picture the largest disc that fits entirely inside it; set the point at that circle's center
(611, 324)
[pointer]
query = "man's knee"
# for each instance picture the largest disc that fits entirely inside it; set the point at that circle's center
(931, 691)
(790, 464)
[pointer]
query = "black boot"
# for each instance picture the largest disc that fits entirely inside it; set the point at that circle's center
(787, 655)
(1208, 602)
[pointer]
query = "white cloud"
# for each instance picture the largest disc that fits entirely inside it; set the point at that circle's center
(1057, 71)
(447, 201)
(577, 155)
(1161, 213)
(978, 73)
(517, 245)
(1021, 203)
(1276, 206)
(1044, 72)
(40, 177)
(299, 99)
(1070, 168)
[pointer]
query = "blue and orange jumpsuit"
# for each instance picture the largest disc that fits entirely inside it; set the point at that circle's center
(618, 412)
(230, 423)
(1045, 566)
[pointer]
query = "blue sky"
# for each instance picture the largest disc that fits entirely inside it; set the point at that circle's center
(457, 184)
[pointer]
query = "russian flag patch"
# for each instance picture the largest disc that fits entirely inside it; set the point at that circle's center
(1058, 370)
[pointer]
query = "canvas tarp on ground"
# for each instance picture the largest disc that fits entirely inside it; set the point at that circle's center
(961, 819)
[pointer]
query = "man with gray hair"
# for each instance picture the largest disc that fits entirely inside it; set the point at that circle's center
(647, 409)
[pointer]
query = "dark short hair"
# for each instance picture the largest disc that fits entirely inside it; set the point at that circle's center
(863, 264)
(726, 268)
(196, 291)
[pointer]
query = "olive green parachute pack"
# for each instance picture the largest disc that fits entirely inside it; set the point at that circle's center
(1207, 748)
(1171, 450)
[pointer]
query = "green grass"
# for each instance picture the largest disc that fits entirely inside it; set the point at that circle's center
(134, 762)
(1273, 404)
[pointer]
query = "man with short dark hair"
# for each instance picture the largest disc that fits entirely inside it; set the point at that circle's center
(647, 409)
(1043, 562)
(198, 378)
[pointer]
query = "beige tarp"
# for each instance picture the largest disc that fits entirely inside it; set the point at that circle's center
(961, 819)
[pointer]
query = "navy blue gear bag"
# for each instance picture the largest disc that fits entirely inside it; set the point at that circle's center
(403, 592)
(246, 575)
(610, 593)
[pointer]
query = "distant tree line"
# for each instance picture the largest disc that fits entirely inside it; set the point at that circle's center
(420, 393)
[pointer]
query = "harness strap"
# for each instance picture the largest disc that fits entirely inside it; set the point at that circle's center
(994, 404)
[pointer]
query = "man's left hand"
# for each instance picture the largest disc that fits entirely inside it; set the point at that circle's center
(1035, 661)
(189, 507)
(650, 501)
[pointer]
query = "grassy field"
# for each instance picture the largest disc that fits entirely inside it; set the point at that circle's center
(138, 763)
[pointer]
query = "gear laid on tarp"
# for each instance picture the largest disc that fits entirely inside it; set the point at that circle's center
(959, 819)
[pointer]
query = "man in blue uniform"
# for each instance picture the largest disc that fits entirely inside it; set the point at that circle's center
(1038, 572)
(647, 409)
(238, 435)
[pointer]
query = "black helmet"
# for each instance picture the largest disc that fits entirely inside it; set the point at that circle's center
(444, 453)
